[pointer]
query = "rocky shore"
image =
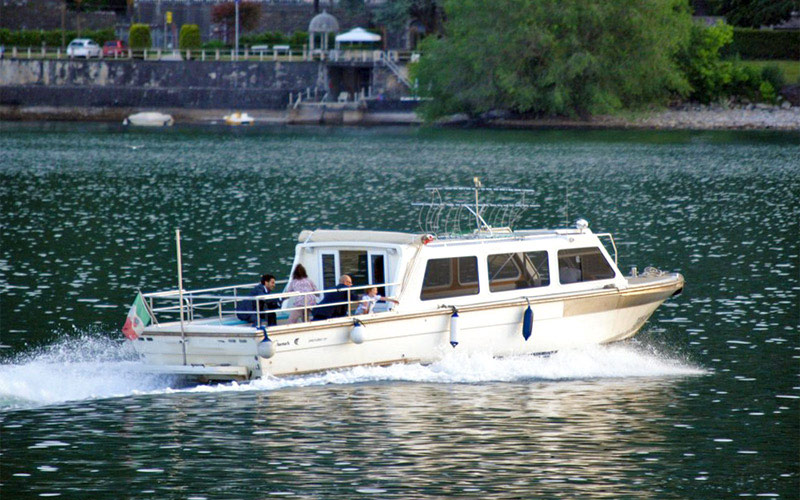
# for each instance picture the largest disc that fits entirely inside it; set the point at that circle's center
(686, 117)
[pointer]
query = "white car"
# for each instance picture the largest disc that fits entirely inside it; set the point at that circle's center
(83, 47)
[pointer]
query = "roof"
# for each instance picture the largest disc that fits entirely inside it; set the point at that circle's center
(323, 23)
(358, 35)
(356, 236)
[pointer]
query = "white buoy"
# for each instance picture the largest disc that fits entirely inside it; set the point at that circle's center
(454, 328)
(357, 333)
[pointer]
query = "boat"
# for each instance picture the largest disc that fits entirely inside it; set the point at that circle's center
(488, 289)
(149, 119)
(238, 118)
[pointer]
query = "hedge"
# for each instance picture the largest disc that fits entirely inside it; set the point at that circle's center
(296, 39)
(189, 37)
(139, 36)
(765, 44)
(51, 38)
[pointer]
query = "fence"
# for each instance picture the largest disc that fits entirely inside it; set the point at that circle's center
(261, 53)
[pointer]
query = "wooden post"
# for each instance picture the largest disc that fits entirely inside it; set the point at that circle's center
(217, 55)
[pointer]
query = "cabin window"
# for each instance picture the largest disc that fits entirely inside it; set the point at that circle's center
(354, 263)
(453, 277)
(328, 270)
(583, 264)
(515, 271)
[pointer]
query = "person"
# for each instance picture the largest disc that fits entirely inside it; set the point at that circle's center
(340, 295)
(369, 300)
(246, 309)
(301, 283)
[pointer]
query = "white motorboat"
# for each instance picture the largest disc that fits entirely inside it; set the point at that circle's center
(238, 118)
(492, 289)
(149, 119)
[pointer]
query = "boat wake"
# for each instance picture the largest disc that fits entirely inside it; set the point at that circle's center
(94, 368)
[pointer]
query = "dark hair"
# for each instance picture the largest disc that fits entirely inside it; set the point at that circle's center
(266, 278)
(299, 272)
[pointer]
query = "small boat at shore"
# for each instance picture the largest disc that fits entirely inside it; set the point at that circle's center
(491, 289)
(238, 118)
(149, 119)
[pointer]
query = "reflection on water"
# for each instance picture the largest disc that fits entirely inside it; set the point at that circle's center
(704, 404)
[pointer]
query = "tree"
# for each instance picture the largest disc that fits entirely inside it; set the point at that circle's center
(754, 13)
(553, 57)
(139, 36)
(189, 37)
(225, 14)
(396, 14)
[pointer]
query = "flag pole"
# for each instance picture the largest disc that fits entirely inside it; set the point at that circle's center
(180, 290)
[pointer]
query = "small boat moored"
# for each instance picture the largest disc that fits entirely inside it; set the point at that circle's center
(489, 289)
(238, 118)
(149, 119)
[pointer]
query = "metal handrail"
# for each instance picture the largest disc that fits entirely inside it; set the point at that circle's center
(220, 301)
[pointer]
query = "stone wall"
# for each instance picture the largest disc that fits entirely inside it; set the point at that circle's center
(156, 84)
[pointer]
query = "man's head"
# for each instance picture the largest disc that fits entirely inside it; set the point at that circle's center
(268, 281)
(346, 280)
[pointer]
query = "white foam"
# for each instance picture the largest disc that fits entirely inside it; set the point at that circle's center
(89, 368)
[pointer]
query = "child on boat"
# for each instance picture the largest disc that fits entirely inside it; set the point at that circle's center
(369, 300)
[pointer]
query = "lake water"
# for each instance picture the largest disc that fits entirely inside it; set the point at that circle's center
(704, 403)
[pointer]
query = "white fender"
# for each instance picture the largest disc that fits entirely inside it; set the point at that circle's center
(454, 328)
(357, 333)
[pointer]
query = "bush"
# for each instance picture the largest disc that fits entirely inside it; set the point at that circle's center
(189, 37)
(139, 37)
(765, 44)
(298, 39)
(773, 74)
(700, 62)
(215, 44)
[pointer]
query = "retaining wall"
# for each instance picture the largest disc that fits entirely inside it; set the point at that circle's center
(156, 84)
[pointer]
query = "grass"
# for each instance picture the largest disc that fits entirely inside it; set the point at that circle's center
(791, 69)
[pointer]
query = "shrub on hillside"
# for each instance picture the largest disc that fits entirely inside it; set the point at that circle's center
(139, 37)
(189, 37)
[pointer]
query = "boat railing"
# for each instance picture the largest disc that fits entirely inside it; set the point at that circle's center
(224, 304)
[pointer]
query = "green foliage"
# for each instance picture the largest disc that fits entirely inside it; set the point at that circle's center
(215, 44)
(51, 38)
(773, 74)
(700, 61)
(713, 78)
(139, 37)
(553, 57)
(189, 37)
(765, 44)
(754, 13)
(298, 39)
(395, 15)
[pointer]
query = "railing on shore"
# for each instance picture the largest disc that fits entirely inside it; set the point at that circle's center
(261, 53)
(223, 301)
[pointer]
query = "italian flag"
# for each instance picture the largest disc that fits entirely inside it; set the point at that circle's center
(137, 319)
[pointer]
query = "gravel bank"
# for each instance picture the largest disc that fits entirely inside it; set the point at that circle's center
(758, 116)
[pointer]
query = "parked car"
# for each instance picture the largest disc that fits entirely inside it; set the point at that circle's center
(83, 47)
(114, 48)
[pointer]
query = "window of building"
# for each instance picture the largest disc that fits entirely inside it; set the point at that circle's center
(514, 271)
(583, 264)
(452, 277)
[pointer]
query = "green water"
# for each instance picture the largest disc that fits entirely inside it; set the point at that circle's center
(702, 404)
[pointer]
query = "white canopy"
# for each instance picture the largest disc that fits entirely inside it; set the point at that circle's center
(358, 35)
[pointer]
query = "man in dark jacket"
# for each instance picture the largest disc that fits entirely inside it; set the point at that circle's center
(246, 309)
(340, 295)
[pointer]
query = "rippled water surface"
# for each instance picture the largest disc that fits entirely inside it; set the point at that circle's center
(702, 404)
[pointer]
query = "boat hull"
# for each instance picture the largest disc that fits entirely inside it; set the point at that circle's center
(567, 321)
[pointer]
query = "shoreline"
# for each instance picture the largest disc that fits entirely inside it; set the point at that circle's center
(750, 117)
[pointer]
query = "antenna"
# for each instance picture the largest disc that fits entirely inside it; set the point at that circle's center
(448, 210)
